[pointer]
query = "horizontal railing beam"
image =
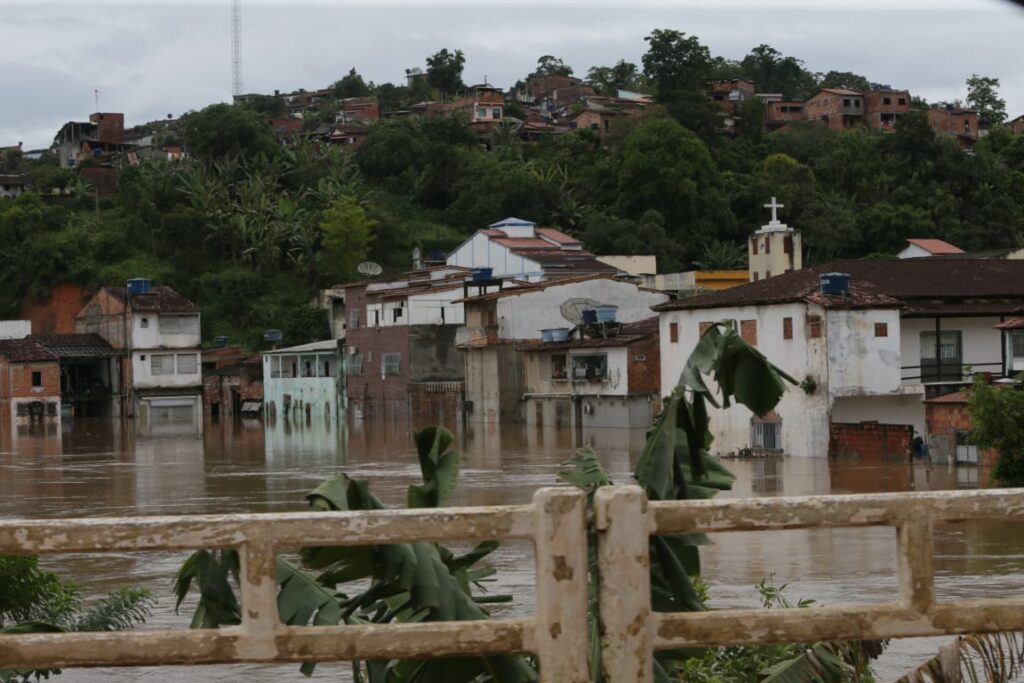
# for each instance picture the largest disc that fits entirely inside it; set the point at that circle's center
(281, 530)
(289, 644)
(805, 512)
(732, 627)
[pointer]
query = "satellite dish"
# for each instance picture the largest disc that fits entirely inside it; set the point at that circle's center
(369, 268)
(572, 309)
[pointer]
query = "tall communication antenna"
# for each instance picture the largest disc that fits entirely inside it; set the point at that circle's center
(236, 47)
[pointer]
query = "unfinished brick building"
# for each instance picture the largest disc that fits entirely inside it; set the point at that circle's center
(29, 385)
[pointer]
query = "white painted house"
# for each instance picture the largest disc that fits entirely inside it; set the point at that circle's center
(919, 247)
(517, 248)
(157, 332)
(304, 383)
(905, 330)
(496, 322)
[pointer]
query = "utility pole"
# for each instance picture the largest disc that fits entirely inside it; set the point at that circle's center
(236, 47)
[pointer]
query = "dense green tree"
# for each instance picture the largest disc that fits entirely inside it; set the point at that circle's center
(675, 64)
(666, 168)
(222, 130)
(549, 65)
(267, 105)
(604, 234)
(998, 416)
(771, 71)
(607, 80)
(844, 79)
(983, 97)
(347, 233)
(444, 70)
(351, 85)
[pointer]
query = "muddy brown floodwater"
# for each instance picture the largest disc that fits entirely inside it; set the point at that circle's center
(103, 468)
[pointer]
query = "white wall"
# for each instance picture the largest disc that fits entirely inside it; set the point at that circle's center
(913, 251)
(142, 369)
(425, 309)
(633, 265)
(147, 334)
(982, 343)
(897, 409)
(15, 329)
(322, 393)
(525, 315)
(805, 427)
(539, 380)
(481, 252)
(858, 361)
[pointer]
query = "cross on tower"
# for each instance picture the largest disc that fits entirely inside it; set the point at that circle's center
(774, 206)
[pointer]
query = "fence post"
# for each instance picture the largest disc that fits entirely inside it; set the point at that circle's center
(560, 545)
(258, 588)
(916, 573)
(625, 594)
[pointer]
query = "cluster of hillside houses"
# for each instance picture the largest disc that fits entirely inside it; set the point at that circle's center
(521, 324)
(548, 105)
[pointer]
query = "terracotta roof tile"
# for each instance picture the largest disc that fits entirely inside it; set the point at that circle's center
(921, 286)
(935, 246)
(25, 351)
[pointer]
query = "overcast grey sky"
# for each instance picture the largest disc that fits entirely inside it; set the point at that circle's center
(149, 59)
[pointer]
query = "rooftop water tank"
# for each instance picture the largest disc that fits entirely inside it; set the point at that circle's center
(480, 274)
(835, 284)
(606, 314)
(138, 285)
(220, 341)
(273, 336)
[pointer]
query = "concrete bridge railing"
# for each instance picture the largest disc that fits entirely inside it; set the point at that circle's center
(556, 522)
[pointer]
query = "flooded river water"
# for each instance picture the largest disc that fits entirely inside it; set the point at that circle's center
(101, 468)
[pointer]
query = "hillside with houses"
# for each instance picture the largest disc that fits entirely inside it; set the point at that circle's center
(450, 252)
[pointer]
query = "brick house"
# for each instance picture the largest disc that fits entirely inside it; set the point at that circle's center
(883, 107)
(401, 354)
(778, 113)
(232, 382)
(837, 108)
(29, 384)
(959, 123)
(89, 372)
(607, 375)
(1016, 125)
(730, 93)
(948, 431)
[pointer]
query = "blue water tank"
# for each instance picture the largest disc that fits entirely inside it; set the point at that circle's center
(606, 314)
(138, 285)
(273, 336)
(835, 284)
(589, 316)
(480, 274)
(221, 341)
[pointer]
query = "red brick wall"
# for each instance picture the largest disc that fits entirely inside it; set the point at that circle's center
(870, 440)
(644, 377)
(371, 392)
(943, 421)
(16, 379)
(56, 314)
(436, 403)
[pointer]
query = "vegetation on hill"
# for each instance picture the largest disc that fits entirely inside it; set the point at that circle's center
(250, 229)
